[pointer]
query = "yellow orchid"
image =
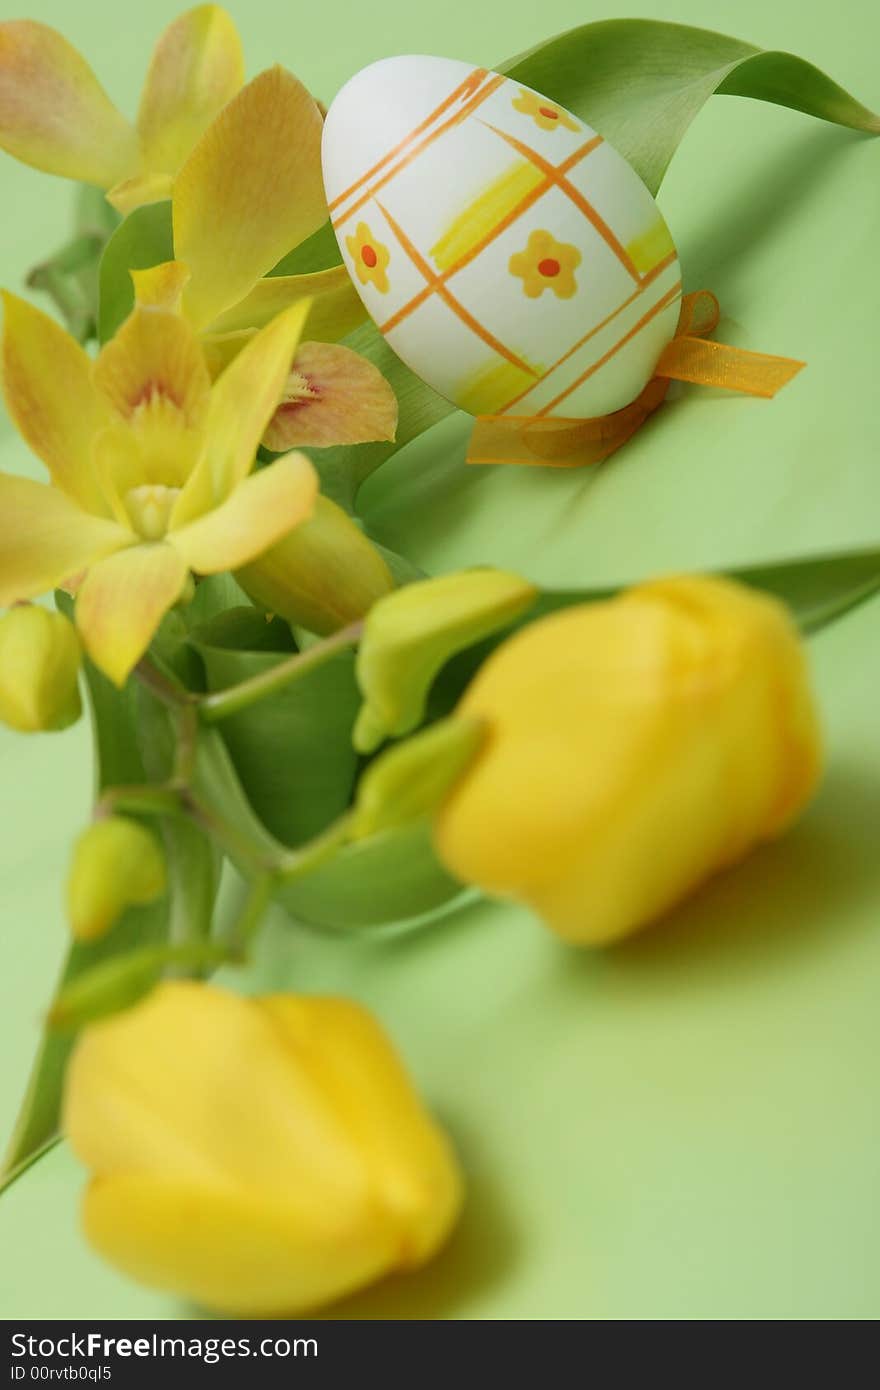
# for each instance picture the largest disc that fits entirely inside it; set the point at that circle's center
(56, 116)
(250, 191)
(149, 464)
(263, 1156)
(242, 165)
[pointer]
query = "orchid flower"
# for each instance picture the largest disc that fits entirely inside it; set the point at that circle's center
(150, 468)
(56, 116)
(242, 166)
(250, 191)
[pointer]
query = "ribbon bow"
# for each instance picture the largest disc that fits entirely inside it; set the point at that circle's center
(556, 442)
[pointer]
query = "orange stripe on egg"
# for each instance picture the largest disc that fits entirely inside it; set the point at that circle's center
(652, 313)
(436, 285)
(462, 91)
(609, 318)
(485, 91)
(557, 176)
(471, 254)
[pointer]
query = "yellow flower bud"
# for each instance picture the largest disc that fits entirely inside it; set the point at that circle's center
(410, 635)
(39, 666)
(633, 747)
(116, 863)
(323, 575)
(262, 1156)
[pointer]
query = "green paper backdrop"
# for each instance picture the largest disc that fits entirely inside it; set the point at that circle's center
(686, 1127)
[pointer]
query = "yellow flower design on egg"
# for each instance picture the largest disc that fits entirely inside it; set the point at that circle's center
(370, 258)
(546, 264)
(546, 114)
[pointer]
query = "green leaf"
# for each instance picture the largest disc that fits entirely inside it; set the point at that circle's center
(640, 83)
(817, 588)
(144, 239)
(393, 876)
(320, 251)
(292, 751)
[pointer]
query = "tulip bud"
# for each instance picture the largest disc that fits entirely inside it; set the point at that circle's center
(116, 863)
(39, 666)
(634, 747)
(260, 1155)
(410, 635)
(324, 574)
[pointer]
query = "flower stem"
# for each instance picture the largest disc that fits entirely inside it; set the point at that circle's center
(223, 703)
(298, 862)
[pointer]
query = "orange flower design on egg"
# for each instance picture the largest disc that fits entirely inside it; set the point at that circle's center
(545, 114)
(370, 258)
(546, 264)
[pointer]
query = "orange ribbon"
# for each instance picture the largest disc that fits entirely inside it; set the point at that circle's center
(555, 442)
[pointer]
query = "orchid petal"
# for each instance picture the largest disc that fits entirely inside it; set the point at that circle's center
(334, 396)
(243, 400)
(196, 68)
(251, 189)
(47, 538)
(54, 113)
(221, 348)
(154, 358)
(257, 513)
(162, 286)
(336, 309)
(136, 192)
(122, 601)
(49, 393)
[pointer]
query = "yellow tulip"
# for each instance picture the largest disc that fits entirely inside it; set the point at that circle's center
(149, 464)
(56, 116)
(633, 748)
(263, 1156)
(116, 862)
(39, 667)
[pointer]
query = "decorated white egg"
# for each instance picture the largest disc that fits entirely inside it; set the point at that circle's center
(508, 253)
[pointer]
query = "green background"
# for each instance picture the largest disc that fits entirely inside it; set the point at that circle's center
(687, 1126)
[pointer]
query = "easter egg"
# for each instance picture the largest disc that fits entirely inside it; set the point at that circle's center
(509, 255)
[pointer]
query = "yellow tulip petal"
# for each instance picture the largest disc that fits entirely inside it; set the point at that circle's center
(47, 538)
(197, 66)
(336, 309)
(162, 286)
(243, 400)
(259, 1155)
(49, 393)
(137, 191)
(153, 361)
(333, 396)
(54, 113)
(121, 602)
(258, 512)
(250, 191)
(232, 1251)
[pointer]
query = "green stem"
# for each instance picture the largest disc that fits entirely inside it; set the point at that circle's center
(255, 903)
(222, 703)
(296, 863)
(143, 800)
